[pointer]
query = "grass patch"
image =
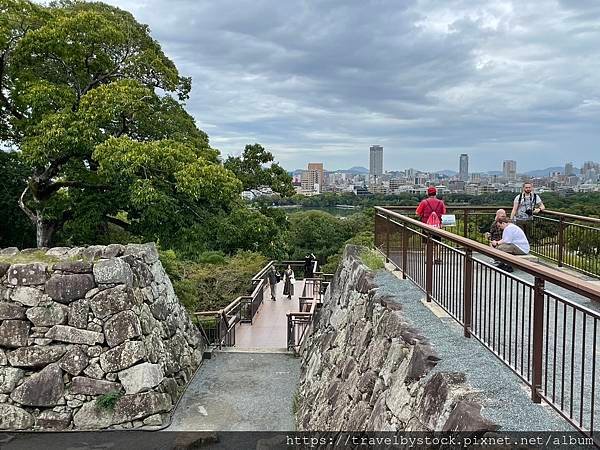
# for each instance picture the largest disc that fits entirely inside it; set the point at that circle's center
(29, 257)
(108, 401)
(372, 259)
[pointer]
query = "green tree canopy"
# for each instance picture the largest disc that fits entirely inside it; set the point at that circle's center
(317, 232)
(250, 169)
(95, 107)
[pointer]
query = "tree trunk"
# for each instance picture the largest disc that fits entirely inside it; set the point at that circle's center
(44, 232)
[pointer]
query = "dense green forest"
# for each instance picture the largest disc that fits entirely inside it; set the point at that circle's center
(98, 148)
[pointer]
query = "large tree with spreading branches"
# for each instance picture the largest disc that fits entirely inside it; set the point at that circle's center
(95, 108)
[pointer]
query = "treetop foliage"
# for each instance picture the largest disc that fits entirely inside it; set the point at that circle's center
(250, 169)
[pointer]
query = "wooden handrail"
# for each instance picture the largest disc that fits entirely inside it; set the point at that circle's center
(495, 208)
(571, 216)
(551, 275)
(207, 313)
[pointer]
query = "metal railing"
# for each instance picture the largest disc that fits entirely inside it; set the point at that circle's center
(566, 239)
(548, 340)
(300, 323)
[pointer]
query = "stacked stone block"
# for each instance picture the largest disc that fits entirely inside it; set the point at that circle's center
(366, 368)
(101, 322)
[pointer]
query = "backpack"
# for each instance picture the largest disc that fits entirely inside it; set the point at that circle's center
(433, 220)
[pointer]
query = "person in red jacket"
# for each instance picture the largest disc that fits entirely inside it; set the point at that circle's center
(431, 204)
(428, 206)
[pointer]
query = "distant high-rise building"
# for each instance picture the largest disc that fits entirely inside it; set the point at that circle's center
(463, 167)
(509, 169)
(375, 162)
(312, 179)
(569, 171)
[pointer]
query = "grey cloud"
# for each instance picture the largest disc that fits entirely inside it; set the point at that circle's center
(498, 79)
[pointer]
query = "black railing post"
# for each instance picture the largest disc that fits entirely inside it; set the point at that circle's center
(468, 291)
(466, 222)
(289, 332)
(429, 267)
(538, 339)
(404, 251)
(561, 240)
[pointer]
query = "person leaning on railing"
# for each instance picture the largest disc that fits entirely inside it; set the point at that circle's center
(428, 207)
(513, 241)
(525, 205)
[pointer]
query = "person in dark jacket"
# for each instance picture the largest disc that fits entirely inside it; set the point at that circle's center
(309, 262)
(273, 277)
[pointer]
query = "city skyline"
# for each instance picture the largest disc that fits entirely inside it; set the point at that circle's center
(501, 169)
(496, 79)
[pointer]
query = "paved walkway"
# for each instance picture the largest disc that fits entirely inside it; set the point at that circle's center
(269, 327)
(240, 392)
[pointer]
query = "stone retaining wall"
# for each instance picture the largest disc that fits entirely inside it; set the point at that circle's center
(91, 338)
(365, 368)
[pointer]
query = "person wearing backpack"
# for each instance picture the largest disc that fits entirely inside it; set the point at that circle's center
(430, 210)
(525, 205)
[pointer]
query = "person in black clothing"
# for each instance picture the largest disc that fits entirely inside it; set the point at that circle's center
(309, 261)
(273, 277)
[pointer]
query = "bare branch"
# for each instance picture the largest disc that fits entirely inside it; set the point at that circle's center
(26, 210)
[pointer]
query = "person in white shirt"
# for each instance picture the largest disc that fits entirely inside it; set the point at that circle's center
(513, 239)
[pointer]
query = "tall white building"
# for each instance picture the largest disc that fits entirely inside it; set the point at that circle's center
(509, 169)
(463, 167)
(375, 162)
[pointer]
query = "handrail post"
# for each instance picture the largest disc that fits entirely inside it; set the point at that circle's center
(289, 331)
(538, 339)
(404, 251)
(429, 267)
(467, 291)
(466, 222)
(561, 240)
(387, 239)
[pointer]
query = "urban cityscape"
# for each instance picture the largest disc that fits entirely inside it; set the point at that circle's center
(315, 179)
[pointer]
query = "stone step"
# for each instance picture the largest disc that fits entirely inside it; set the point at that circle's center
(281, 350)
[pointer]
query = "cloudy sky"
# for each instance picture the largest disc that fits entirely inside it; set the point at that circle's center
(322, 80)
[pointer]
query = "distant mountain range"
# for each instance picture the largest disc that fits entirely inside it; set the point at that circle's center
(359, 170)
(356, 170)
(548, 170)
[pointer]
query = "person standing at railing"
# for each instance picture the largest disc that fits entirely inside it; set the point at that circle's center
(289, 280)
(309, 261)
(273, 277)
(525, 205)
(513, 241)
(430, 210)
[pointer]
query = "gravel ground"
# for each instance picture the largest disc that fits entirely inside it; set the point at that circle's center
(505, 399)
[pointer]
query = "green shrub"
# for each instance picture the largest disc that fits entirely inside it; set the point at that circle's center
(211, 281)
